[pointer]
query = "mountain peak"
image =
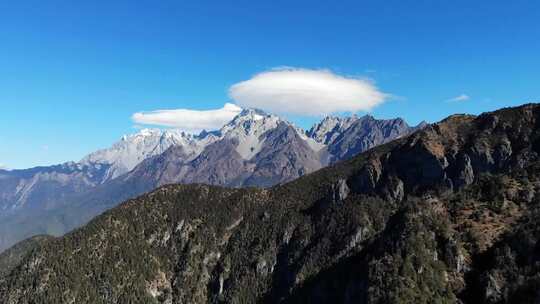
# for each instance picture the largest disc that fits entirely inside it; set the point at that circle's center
(149, 132)
(421, 125)
(251, 115)
(252, 112)
(347, 222)
(146, 132)
(125, 154)
(323, 131)
(250, 119)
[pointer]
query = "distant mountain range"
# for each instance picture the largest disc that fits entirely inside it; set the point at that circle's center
(449, 214)
(254, 149)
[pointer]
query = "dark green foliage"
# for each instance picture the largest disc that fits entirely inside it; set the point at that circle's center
(448, 214)
(9, 259)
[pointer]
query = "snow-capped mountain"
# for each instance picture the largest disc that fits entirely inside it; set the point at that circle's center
(259, 149)
(247, 130)
(346, 137)
(253, 149)
(124, 155)
(330, 127)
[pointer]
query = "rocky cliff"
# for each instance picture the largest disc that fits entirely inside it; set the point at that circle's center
(448, 214)
(254, 149)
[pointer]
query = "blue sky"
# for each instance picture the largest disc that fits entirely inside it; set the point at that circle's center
(74, 72)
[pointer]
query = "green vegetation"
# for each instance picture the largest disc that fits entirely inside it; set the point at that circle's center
(450, 213)
(9, 259)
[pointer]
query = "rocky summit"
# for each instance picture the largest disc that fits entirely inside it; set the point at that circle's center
(449, 214)
(253, 149)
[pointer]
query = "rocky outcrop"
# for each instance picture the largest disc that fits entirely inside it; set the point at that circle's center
(437, 217)
(254, 149)
(346, 137)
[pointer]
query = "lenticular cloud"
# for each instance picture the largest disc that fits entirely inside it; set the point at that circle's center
(284, 91)
(306, 92)
(189, 120)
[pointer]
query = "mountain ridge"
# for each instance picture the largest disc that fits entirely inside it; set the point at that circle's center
(438, 216)
(253, 149)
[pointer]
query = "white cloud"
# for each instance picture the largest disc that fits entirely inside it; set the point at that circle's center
(3, 167)
(283, 91)
(462, 97)
(306, 92)
(189, 120)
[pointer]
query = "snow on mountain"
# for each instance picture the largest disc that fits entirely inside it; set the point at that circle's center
(259, 139)
(312, 142)
(254, 149)
(124, 155)
(248, 129)
(330, 128)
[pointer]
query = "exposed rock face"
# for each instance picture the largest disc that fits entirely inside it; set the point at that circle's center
(283, 157)
(131, 150)
(437, 217)
(26, 196)
(254, 149)
(362, 134)
(45, 187)
(342, 190)
(257, 149)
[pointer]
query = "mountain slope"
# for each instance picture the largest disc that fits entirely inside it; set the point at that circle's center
(254, 149)
(124, 155)
(44, 188)
(257, 149)
(362, 134)
(12, 257)
(449, 213)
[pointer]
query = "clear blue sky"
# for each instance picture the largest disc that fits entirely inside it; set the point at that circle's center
(73, 72)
